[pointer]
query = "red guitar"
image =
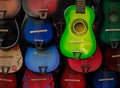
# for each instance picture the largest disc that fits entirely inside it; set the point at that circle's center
(112, 59)
(8, 81)
(40, 8)
(72, 79)
(34, 80)
(9, 8)
(88, 65)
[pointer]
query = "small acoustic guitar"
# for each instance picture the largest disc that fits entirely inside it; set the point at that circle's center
(78, 40)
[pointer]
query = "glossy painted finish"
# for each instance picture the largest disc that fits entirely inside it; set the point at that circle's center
(48, 60)
(88, 65)
(10, 38)
(12, 7)
(86, 42)
(32, 7)
(31, 24)
(111, 20)
(104, 78)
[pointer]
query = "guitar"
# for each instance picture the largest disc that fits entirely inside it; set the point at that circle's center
(10, 60)
(72, 79)
(9, 8)
(110, 30)
(104, 78)
(9, 33)
(78, 40)
(8, 81)
(34, 80)
(88, 65)
(38, 33)
(40, 8)
(42, 61)
(112, 59)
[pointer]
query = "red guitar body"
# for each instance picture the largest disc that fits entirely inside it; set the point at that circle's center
(36, 7)
(8, 81)
(88, 65)
(112, 59)
(72, 79)
(35, 80)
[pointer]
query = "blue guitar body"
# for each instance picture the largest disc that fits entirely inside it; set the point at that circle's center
(104, 78)
(42, 61)
(36, 29)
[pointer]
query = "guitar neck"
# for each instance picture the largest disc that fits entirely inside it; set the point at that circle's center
(80, 6)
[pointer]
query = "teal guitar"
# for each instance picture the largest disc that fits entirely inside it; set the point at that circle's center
(78, 40)
(110, 31)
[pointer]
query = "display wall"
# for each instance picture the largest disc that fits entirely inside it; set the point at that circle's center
(59, 43)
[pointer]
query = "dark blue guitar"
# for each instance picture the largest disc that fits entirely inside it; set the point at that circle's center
(42, 61)
(104, 78)
(38, 32)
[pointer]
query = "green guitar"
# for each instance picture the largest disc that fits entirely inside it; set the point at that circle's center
(110, 31)
(78, 40)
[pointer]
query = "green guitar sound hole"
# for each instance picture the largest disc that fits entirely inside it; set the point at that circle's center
(114, 17)
(79, 27)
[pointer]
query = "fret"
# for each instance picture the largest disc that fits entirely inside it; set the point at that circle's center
(80, 6)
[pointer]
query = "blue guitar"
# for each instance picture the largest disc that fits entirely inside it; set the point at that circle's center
(42, 61)
(104, 78)
(38, 32)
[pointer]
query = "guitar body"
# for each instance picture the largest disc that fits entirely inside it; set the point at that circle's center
(31, 31)
(10, 60)
(112, 59)
(9, 33)
(42, 61)
(72, 79)
(33, 7)
(88, 65)
(104, 78)
(34, 80)
(8, 81)
(78, 36)
(110, 30)
(9, 7)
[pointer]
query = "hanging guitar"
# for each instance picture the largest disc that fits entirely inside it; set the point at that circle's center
(40, 8)
(42, 61)
(104, 78)
(10, 60)
(72, 79)
(78, 40)
(9, 8)
(9, 33)
(34, 80)
(110, 31)
(112, 59)
(8, 81)
(88, 65)
(38, 33)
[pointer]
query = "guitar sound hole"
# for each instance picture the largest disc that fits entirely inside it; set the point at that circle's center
(79, 27)
(114, 17)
